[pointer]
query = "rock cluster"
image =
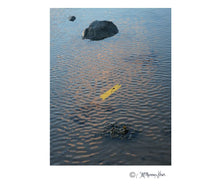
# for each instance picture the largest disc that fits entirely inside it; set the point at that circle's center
(98, 30)
(121, 131)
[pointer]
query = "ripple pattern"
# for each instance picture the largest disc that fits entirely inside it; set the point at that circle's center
(139, 58)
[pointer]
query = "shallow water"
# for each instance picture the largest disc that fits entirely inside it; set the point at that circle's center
(138, 58)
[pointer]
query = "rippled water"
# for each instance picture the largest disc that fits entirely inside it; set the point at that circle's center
(138, 58)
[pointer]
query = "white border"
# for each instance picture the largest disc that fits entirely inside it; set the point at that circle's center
(24, 99)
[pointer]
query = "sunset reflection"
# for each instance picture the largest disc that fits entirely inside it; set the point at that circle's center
(139, 59)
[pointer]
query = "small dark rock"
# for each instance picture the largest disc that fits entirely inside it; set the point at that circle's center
(99, 30)
(72, 18)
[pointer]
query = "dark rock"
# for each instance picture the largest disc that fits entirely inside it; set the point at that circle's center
(72, 18)
(99, 30)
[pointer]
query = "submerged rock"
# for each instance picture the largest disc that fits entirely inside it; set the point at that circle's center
(99, 30)
(72, 18)
(122, 131)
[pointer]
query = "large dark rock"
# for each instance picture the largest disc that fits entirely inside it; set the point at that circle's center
(99, 30)
(72, 18)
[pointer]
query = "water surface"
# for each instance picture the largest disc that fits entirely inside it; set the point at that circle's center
(138, 58)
